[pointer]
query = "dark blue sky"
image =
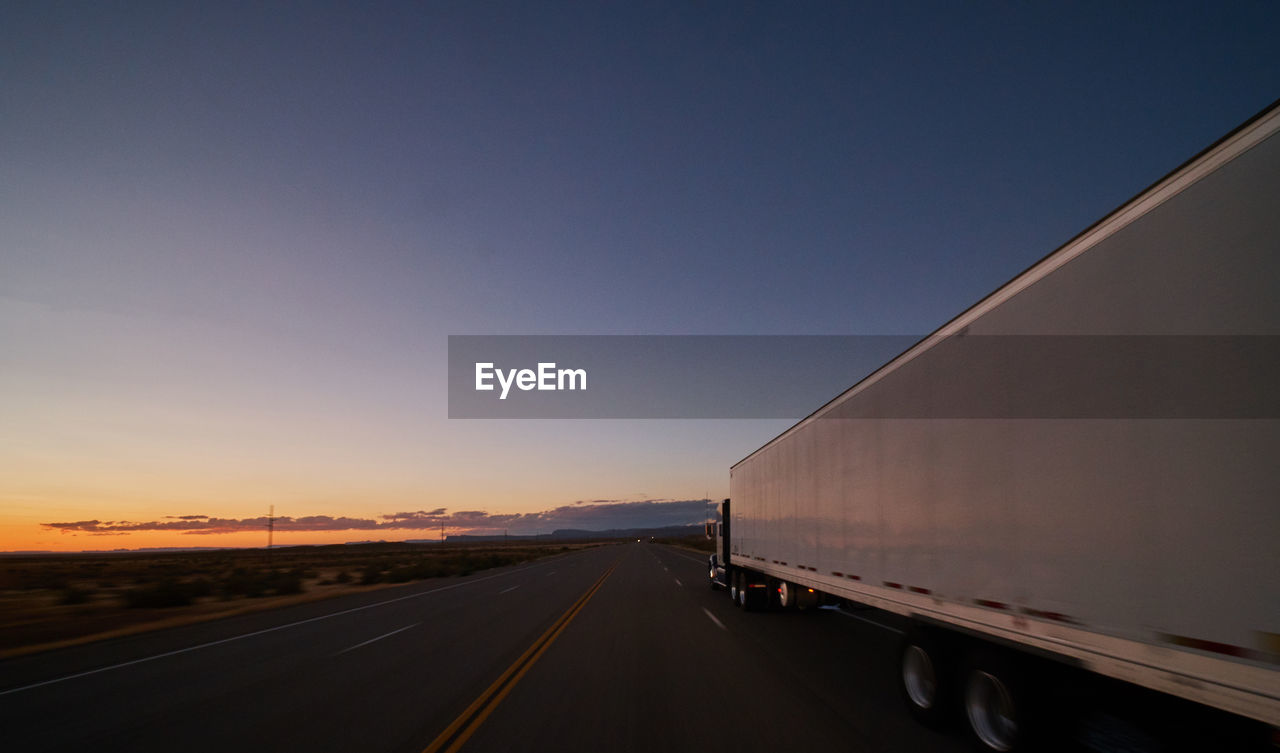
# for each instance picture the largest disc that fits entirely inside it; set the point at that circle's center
(273, 214)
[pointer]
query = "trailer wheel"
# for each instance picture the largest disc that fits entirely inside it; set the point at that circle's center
(925, 678)
(786, 595)
(753, 599)
(996, 704)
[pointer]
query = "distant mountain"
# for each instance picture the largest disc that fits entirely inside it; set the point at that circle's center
(574, 534)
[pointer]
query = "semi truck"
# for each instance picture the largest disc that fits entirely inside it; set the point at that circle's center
(1080, 473)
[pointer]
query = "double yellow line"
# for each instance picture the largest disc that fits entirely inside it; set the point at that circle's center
(462, 728)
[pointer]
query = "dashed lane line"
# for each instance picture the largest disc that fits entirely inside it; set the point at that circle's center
(375, 640)
(255, 633)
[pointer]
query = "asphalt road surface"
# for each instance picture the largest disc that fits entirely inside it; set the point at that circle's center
(620, 648)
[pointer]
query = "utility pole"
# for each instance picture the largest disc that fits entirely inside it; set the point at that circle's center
(271, 529)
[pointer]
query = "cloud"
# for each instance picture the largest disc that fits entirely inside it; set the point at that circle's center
(80, 525)
(595, 515)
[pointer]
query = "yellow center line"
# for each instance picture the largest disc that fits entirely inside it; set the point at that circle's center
(462, 728)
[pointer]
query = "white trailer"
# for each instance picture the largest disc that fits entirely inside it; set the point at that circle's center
(1083, 467)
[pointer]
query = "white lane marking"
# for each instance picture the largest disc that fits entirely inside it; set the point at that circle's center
(256, 633)
(506, 590)
(553, 572)
(880, 625)
(678, 583)
(374, 640)
(718, 623)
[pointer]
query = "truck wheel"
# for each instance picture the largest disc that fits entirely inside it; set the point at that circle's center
(714, 585)
(925, 678)
(995, 704)
(735, 590)
(786, 595)
(754, 599)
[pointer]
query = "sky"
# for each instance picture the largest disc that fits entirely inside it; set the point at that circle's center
(235, 237)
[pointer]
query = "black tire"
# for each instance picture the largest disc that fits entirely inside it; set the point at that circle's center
(925, 678)
(998, 706)
(753, 599)
(736, 589)
(786, 595)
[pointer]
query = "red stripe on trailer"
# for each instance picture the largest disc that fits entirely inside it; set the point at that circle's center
(837, 573)
(1055, 616)
(853, 577)
(990, 604)
(891, 584)
(919, 590)
(1217, 648)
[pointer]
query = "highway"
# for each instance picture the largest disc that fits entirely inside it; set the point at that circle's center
(620, 648)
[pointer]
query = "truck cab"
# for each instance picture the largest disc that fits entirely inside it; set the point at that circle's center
(717, 530)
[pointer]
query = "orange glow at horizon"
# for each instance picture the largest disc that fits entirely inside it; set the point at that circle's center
(32, 537)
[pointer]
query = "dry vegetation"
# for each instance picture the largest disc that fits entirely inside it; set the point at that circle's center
(49, 600)
(697, 543)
